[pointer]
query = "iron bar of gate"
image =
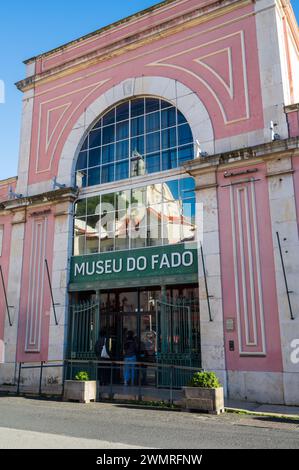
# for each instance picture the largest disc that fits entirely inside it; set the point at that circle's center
(19, 378)
(171, 384)
(285, 277)
(206, 282)
(5, 297)
(41, 378)
(51, 291)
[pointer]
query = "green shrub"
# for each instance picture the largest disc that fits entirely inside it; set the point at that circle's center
(205, 379)
(83, 376)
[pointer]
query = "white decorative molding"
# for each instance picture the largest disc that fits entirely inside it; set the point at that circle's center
(35, 297)
(251, 252)
(171, 90)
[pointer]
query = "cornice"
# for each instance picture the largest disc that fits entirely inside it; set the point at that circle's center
(131, 42)
(239, 157)
(50, 197)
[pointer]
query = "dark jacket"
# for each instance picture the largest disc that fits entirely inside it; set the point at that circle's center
(130, 348)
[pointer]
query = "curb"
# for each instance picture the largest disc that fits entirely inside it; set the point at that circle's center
(261, 413)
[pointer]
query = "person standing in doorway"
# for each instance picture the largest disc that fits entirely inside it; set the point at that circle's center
(102, 353)
(130, 356)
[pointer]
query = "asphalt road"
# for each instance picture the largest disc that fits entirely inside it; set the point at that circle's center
(54, 425)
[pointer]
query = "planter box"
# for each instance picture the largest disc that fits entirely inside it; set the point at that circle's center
(204, 399)
(81, 391)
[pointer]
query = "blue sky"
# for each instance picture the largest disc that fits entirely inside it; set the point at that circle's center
(30, 28)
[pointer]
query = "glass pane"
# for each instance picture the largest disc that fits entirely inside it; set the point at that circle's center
(107, 221)
(155, 214)
(107, 202)
(80, 208)
(137, 126)
(94, 176)
(98, 124)
(122, 112)
(93, 205)
(122, 150)
(95, 138)
(153, 142)
(121, 243)
(169, 138)
(169, 159)
(92, 234)
(92, 245)
(186, 153)
(154, 194)
(139, 242)
(137, 145)
(92, 222)
(154, 235)
(153, 163)
(79, 245)
(172, 232)
(139, 196)
(184, 134)
(81, 178)
(122, 170)
(107, 241)
(137, 164)
(85, 144)
(168, 118)
(122, 130)
(187, 187)
(108, 153)
(80, 226)
(107, 174)
(151, 104)
(109, 118)
(122, 200)
(153, 122)
(94, 157)
(82, 161)
(165, 104)
(171, 190)
(121, 225)
(181, 118)
(108, 134)
(137, 107)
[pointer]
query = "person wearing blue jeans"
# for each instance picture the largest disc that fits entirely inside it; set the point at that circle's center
(130, 356)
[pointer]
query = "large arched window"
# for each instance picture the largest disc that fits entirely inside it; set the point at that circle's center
(134, 138)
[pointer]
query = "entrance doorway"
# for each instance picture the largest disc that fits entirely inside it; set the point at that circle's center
(164, 322)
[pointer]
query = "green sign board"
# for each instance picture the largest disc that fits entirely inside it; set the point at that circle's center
(169, 260)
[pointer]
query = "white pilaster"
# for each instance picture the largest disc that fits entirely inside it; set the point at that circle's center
(212, 332)
(284, 221)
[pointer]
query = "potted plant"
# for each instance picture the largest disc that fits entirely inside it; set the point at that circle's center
(81, 389)
(205, 393)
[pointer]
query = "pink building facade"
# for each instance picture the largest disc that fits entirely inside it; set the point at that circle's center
(230, 72)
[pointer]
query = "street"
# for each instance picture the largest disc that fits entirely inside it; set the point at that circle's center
(32, 423)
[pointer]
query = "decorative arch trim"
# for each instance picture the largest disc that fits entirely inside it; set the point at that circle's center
(165, 88)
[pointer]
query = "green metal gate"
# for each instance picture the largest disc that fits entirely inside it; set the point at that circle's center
(178, 340)
(83, 330)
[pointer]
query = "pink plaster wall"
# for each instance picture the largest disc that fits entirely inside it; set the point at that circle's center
(293, 122)
(217, 59)
(248, 283)
(35, 302)
(5, 223)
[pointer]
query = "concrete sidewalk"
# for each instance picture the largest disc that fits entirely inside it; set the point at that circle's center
(262, 409)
